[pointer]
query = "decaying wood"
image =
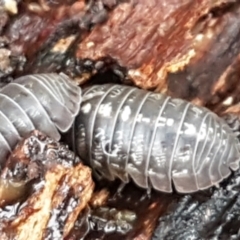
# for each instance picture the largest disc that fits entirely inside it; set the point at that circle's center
(188, 49)
(55, 187)
(133, 201)
(183, 48)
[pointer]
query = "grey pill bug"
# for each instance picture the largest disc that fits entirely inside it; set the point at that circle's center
(47, 102)
(155, 140)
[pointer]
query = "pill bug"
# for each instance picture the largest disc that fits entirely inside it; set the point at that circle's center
(47, 102)
(157, 141)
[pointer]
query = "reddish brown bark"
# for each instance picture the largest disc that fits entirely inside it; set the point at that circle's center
(183, 48)
(188, 49)
(45, 192)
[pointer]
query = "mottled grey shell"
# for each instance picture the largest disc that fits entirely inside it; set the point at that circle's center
(47, 102)
(157, 141)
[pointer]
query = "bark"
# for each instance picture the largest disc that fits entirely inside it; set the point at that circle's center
(184, 48)
(188, 49)
(43, 189)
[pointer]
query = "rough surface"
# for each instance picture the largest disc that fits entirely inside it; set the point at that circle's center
(182, 47)
(50, 187)
(188, 48)
(130, 215)
(54, 29)
(214, 216)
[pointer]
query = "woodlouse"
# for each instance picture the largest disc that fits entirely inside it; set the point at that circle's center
(157, 141)
(123, 132)
(47, 102)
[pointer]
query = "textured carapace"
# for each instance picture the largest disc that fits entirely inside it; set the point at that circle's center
(158, 141)
(47, 102)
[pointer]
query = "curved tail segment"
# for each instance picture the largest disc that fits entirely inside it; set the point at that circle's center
(46, 102)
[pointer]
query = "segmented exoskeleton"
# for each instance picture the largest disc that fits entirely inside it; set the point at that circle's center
(155, 140)
(47, 102)
(123, 132)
